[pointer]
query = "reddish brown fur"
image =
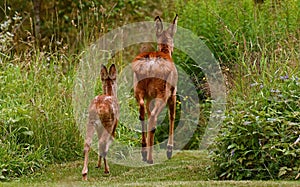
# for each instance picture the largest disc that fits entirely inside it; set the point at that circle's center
(155, 78)
(153, 55)
(103, 117)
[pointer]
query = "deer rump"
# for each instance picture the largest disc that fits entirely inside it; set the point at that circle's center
(155, 74)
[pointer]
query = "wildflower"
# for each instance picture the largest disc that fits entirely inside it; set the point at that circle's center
(253, 84)
(247, 122)
(271, 119)
(284, 77)
(297, 141)
(185, 98)
(232, 152)
(275, 91)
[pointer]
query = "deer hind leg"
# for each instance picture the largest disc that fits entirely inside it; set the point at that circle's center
(104, 142)
(172, 110)
(87, 145)
(158, 107)
(103, 154)
(99, 161)
(144, 126)
(100, 129)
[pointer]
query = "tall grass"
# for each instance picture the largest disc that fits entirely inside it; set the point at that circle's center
(36, 114)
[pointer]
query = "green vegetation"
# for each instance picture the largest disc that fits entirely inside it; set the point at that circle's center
(257, 46)
(257, 138)
(37, 125)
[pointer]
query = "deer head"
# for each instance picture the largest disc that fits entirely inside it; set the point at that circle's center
(165, 37)
(109, 80)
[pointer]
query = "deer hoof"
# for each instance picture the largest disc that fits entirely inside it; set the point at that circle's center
(84, 177)
(169, 154)
(144, 155)
(150, 161)
(169, 151)
(106, 171)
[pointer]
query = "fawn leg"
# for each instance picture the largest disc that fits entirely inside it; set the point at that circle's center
(89, 135)
(106, 167)
(100, 129)
(99, 161)
(104, 143)
(103, 154)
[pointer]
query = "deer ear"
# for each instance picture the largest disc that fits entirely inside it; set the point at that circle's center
(173, 27)
(158, 25)
(113, 72)
(103, 72)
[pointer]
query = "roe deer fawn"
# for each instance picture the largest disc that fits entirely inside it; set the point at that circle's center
(155, 79)
(103, 117)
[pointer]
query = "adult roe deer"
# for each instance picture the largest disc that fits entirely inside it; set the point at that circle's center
(103, 117)
(155, 80)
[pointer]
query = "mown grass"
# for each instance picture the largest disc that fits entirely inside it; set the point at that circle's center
(187, 168)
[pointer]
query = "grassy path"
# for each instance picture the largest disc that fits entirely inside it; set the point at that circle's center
(184, 169)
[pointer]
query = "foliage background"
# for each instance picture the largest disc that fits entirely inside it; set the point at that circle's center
(257, 46)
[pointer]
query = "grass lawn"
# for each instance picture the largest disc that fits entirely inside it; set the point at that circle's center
(187, 168)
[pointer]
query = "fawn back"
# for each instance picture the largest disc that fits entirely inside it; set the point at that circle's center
(106, 105)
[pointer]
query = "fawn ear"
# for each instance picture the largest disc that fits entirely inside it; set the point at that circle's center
(113, 72)
(173, 27)
(158, 25)
(103, 72)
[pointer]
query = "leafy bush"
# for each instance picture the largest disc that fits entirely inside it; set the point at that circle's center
(258, 137)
